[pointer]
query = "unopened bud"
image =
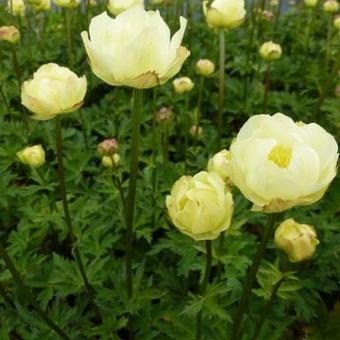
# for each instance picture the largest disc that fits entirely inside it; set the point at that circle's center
(107, 147)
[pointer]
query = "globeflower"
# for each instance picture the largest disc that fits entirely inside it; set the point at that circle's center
(10, 34)
(278, 164)
(200, 206)
(118, 6)
(270, 51)
(183, 84)
(34, 156)
(298, 241)
(53, 90)
(224, 14)
(134, 49)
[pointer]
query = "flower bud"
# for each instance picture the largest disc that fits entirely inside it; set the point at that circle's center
(205, 67)
(10, 34)
(220, 163)
(224, 14)
(157, 2)
(41, 5)
(298, 241)
(183, 84)
(270, 51)
(337, 91)
(34, 156)
(93, 3)
(16, 7)
(108, 147)
(196, 131)
(111, 161)
(337, 22)
(310, 3)
(331, 6)
(118, 6)
(67, 3)
(267, 15)
(164, 115)
(200, 206)
(53, 90)
(274, 3)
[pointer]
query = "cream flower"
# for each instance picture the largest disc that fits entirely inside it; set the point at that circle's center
(224, 14)
(220, 163)
(134, 49)
(33, 156)
(53, 90)
(16, 7)
(183, 84)
(118, 6)
(278, 164)
(270, 51)
(10, 34)
(205, 67)
(67, 3)
(298, 241)
(200, 206)
(310, 3)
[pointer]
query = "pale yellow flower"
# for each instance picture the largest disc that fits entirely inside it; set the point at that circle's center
(52, 91)
(278, 164)
(200, 206)
(134, 49)
(298, 241)
(224, 14)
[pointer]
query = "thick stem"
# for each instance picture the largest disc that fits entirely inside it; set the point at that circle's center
(221, 87)
(20, 283)
(16, 67)
(204, 285)
(154, 158)
(267, 308)
(266, 89)
(268, 231)
(186, 132)
(130, 205)
(67, 22)
(198, 111)
(67, 215)
(4, 99)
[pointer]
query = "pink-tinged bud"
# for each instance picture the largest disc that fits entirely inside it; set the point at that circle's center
(10, 34)
(337, 91)
(164, 115)
(196, 131)
(267, 15)
(108, 147)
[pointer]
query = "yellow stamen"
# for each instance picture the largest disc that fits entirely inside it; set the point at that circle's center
(281, 156)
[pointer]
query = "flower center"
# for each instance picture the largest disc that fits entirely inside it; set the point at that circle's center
(280, 155)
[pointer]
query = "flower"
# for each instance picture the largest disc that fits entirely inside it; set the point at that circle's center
(270, 51)
(16, 7)
(40, 5)
(117, 6)
(108, 147)
(34, 156)
(134, 49)
(220, 163)
(267, 15)
(298, 241)
(310, 3)
(331, 6)
(200, 206)
(67, 3)
(183, 84)
(205, 67)
(337, 22)
(278, 164)
(224, 14)
(10, 34)
(111, 161)
(196, 131)
(164, 115)
(52, 91)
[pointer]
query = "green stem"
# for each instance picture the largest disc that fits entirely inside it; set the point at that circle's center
(130, 206)
(267, 308)
(278, 14)
(198, 111)
(221, 86)
(67, 215)
(154, 158)
(67, 22)
(4, 99)
(266, 89)
(268, 231)
(19, 282)
(186, 132)
(16, 67)
(204, 286)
